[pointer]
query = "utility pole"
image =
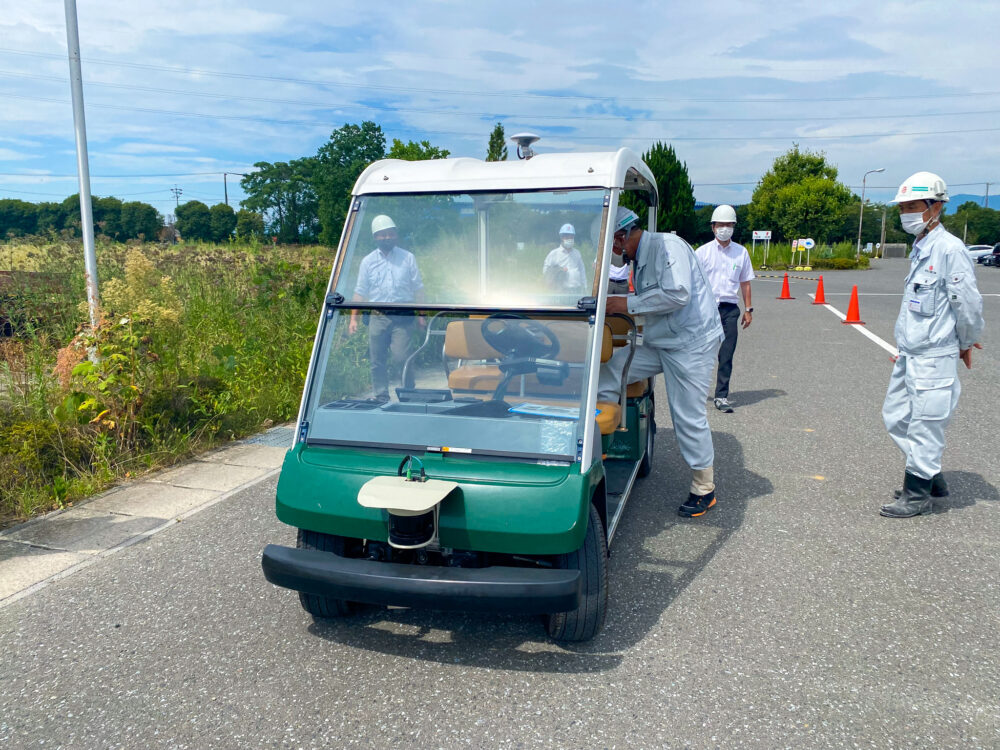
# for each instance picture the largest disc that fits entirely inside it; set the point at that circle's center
(225, 188)
(881, 241)
(987, 203)
(177, 195)
(861, 217)
(82, 161)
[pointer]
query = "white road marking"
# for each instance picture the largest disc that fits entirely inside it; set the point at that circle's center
(862, 330)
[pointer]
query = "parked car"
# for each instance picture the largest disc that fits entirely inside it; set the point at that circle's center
(493, 479)
(978, 253)
(993, 259)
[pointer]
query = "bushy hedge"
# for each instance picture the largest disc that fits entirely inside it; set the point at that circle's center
(196, 344)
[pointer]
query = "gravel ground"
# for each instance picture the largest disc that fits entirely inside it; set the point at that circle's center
(792, 615)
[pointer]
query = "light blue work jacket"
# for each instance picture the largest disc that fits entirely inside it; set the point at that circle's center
(942, 310)
(673, 295)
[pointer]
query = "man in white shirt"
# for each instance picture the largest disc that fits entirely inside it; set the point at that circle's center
(388, 274)
(729, 270)
(563, 268)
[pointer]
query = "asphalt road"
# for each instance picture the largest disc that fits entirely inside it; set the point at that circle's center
(792, 615)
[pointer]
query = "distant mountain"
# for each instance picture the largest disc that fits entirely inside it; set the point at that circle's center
(957, 200)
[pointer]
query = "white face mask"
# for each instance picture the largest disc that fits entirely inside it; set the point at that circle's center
(913, 223)
(568, 243)
(723, 234)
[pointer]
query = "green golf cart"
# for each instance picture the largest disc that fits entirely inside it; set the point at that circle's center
(490, 477)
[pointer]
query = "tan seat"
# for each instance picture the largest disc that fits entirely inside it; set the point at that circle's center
(464, 340)
(608, 416)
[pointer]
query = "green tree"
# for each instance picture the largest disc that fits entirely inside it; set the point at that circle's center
(496, 149)
(413, 151)
(194, 221)
(799, 197)
(223, 222)
(283, 193)
(977, 224)
(108, 217)
(339, 163)
(676, 210)
(140, 221)
(249, 225)
(17, 218)
(50, 217)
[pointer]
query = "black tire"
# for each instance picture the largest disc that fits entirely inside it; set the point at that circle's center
(315, 604)
(586, 621)
(646, 465)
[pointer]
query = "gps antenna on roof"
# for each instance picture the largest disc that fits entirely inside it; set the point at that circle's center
(524, 141)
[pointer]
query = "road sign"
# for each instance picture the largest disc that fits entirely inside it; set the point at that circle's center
(762, 234)
(808, 243)
(795, 244)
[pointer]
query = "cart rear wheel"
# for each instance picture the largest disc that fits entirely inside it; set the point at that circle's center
(586, 621)
(315, 604)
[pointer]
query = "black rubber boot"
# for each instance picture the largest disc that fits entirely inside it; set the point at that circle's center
(939, 488)
(916, 498)
(696, 505)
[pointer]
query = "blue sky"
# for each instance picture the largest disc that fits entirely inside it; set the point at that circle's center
(180, 92)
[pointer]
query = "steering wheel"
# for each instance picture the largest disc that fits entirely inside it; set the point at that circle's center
(514, 335)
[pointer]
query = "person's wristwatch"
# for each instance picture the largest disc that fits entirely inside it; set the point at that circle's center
(749, 310)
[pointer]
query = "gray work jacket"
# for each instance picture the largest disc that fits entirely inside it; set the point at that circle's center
(673, 295)
(942, 310)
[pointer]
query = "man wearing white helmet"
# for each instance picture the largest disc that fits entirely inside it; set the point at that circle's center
(940, 320)
(387, 274)
(681, 336)
(563, 268)
(729, 270)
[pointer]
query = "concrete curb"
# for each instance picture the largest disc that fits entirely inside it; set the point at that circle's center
(58, 544)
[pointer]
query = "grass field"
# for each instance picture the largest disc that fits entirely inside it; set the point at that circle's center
(197, 344)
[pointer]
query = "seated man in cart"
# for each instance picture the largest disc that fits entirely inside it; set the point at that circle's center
(681, 337)
(388, 274)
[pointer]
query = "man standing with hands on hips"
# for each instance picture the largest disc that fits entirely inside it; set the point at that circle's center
(729, 270)
(940, 321)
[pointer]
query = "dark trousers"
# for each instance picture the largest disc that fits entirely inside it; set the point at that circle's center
(730, 315)
(388, 335)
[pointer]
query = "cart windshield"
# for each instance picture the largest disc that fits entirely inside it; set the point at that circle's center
(506, 384)
(494, 250)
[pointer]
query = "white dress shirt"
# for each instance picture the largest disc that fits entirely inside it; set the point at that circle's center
(726, 268)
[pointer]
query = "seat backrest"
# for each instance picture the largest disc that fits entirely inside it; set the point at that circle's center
(463, 339)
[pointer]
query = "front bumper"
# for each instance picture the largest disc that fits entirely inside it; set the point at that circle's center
(491, 589)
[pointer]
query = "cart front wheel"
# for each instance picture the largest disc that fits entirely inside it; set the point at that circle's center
(586, 621)
(315, 604)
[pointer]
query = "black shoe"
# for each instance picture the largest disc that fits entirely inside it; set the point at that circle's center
(723, 405)
(696, 505)
(915, 499)
(939, 488)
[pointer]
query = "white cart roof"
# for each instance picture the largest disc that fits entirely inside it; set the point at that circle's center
(621, 169)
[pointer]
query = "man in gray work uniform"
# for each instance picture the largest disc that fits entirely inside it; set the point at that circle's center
(388, 274)
(939, 323)
(681, 336)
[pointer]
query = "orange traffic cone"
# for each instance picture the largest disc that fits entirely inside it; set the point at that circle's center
(820, 298)
(785, 291)
(853, 312)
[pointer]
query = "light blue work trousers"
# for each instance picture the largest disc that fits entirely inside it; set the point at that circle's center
(687, 375)
(923, 393)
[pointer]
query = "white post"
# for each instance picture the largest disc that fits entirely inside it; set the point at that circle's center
(82, 162)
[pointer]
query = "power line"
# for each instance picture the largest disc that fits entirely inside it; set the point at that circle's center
(792, 137)
(504, 94)
(450, 112)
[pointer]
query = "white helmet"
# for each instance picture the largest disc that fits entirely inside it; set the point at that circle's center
(925, 186)
(382, 222)
(724, 214)
(567, 229)
(625, 218)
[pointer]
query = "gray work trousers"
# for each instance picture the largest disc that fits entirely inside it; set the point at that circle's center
(922, 394)
(687, 375)
(388, 335)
